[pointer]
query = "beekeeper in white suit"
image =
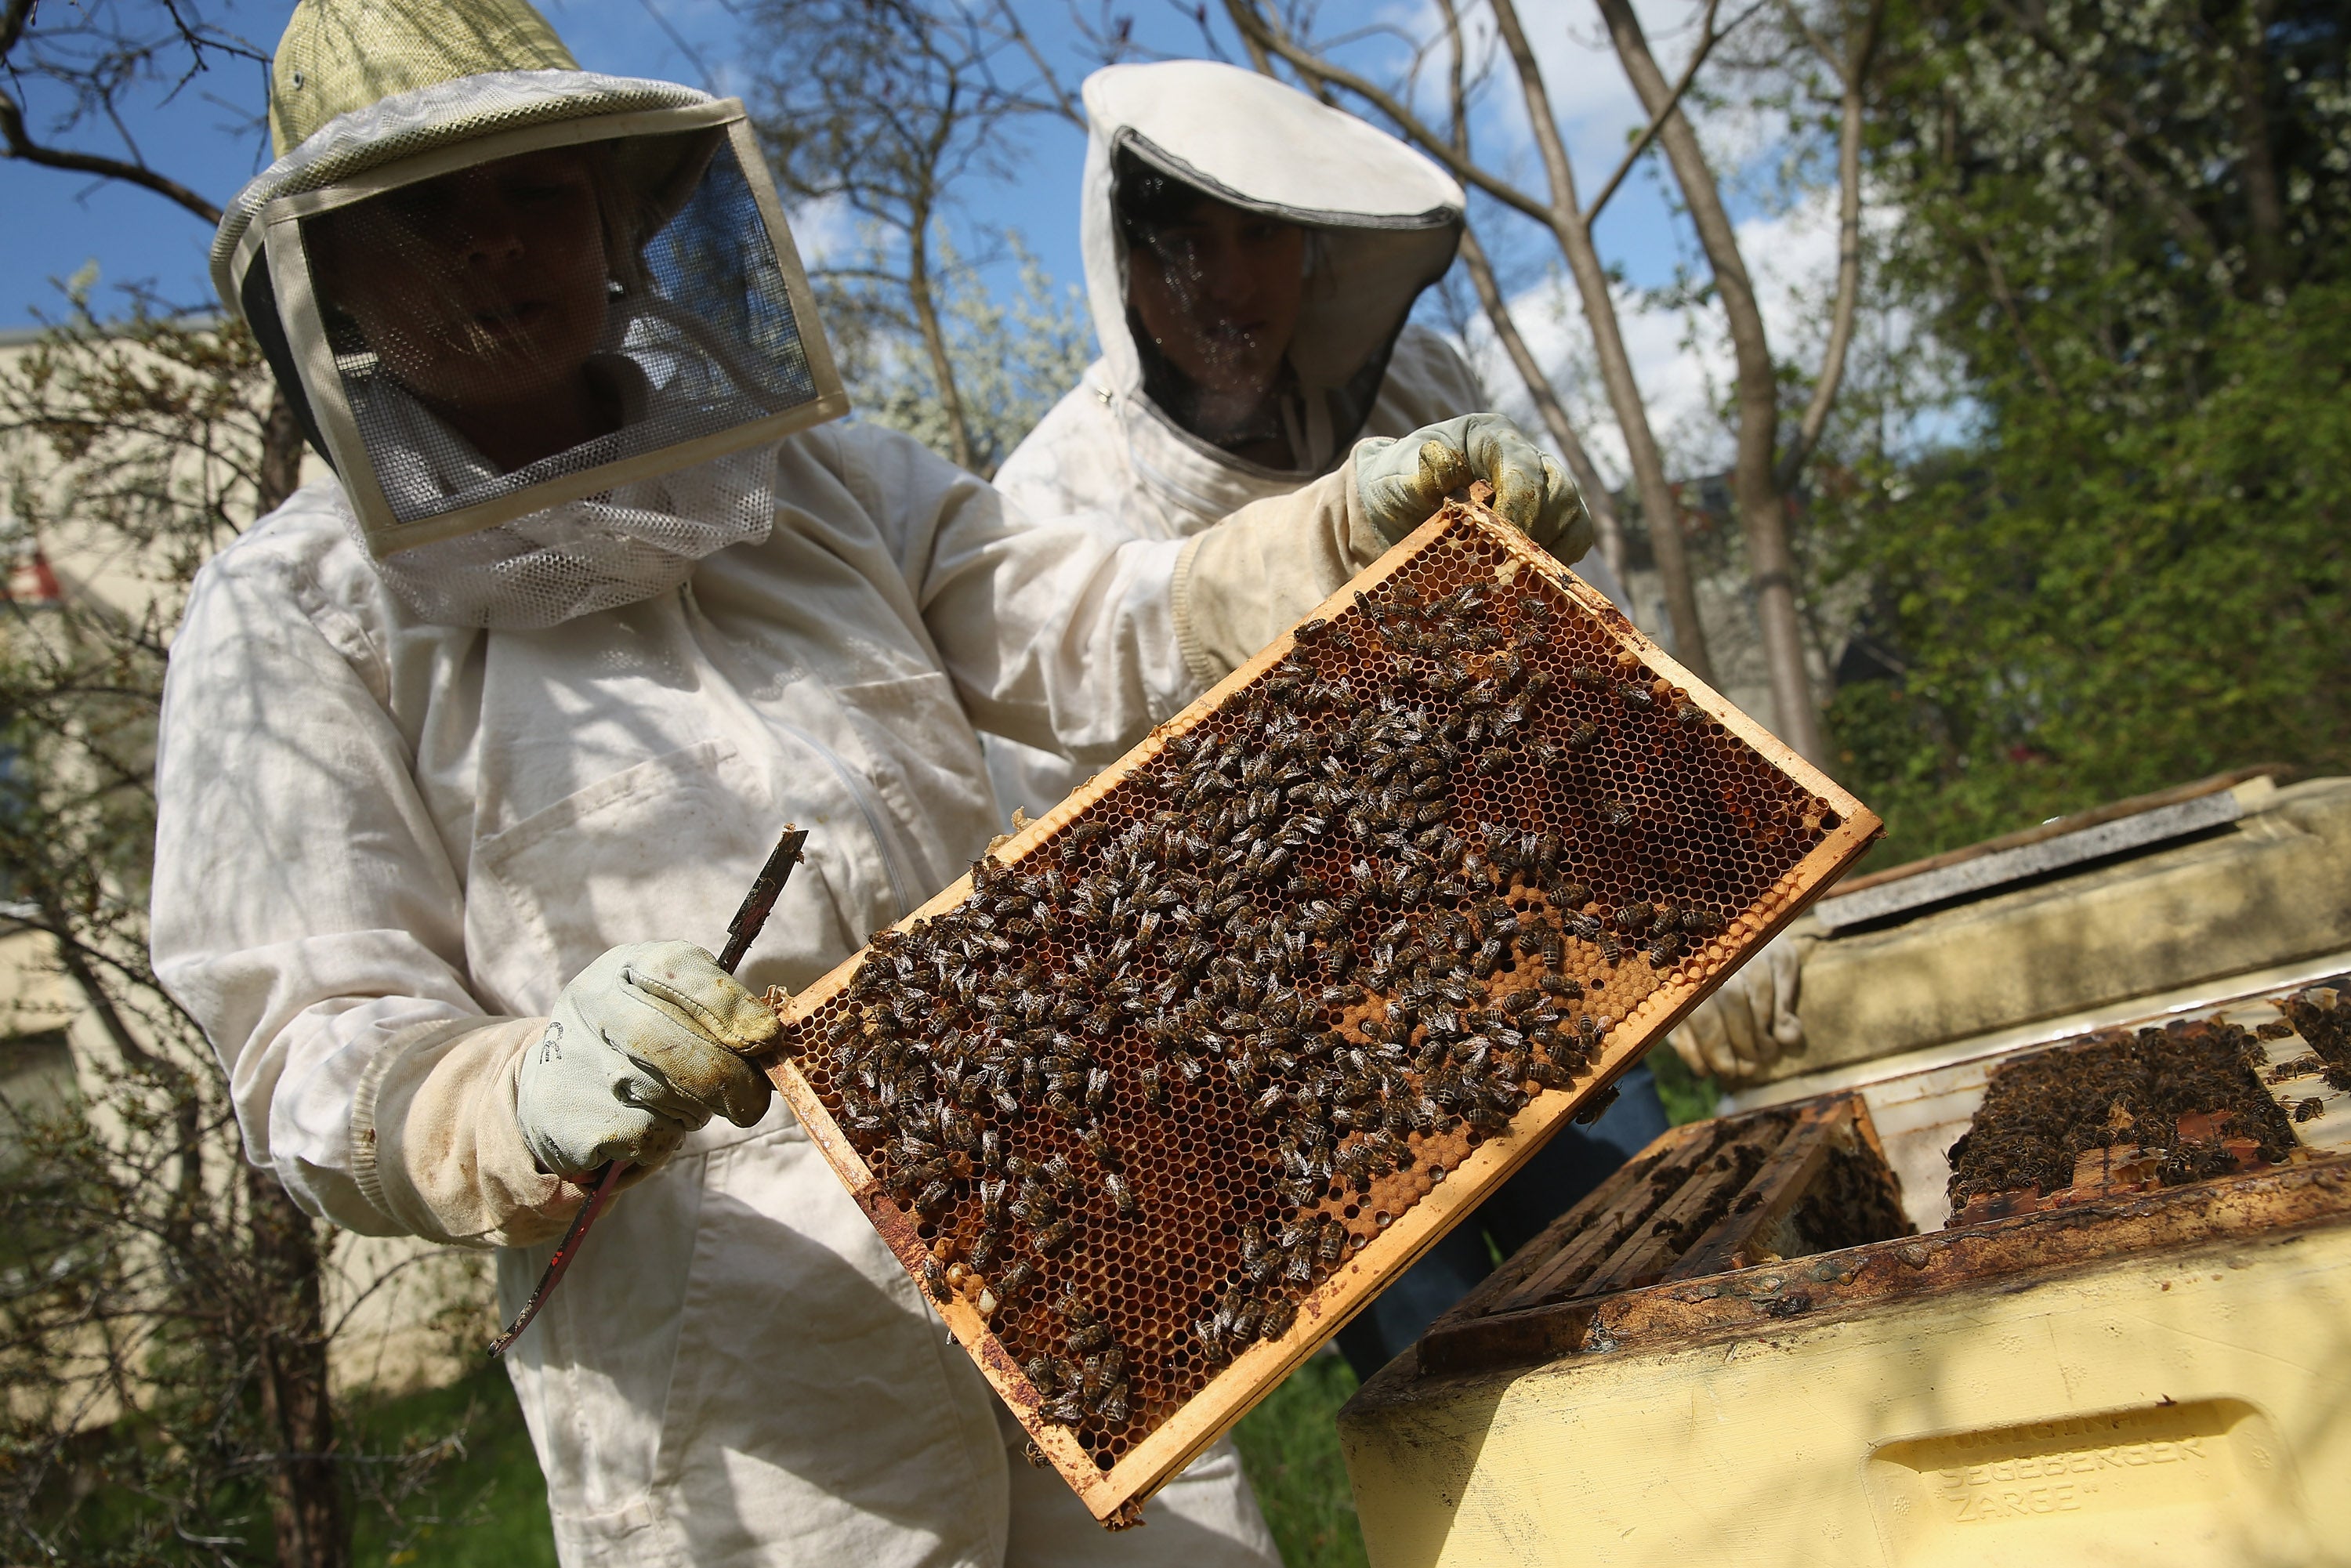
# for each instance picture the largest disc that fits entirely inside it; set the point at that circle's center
(1251, 258)
(464, 749)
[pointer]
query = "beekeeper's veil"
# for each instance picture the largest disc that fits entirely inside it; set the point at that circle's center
(546, 324)
(1382, 224)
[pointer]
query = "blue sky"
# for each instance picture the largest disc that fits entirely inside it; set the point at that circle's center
(205, 135)
(202, 136)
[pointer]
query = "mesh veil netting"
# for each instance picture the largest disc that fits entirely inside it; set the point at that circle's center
(615, 303)
(1215, 367)
(628, 544)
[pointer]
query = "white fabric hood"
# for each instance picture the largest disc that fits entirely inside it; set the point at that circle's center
(1389, 220)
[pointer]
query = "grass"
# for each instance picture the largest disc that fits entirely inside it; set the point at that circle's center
(1289, 1447)
(486, 1507)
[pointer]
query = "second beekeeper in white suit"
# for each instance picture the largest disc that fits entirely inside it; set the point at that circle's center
(1251, 260)
(464, 748)
(1252, 257)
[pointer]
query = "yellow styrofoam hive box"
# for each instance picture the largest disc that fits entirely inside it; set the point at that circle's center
(2161, 1377)
(2186, 1408)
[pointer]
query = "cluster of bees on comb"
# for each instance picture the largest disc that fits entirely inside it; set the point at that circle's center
(1152, 1082)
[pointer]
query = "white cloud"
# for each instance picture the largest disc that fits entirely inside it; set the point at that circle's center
(825, 230)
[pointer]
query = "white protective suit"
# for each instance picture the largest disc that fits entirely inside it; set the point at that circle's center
(380, 836)
(386, 844)
(1106, 451)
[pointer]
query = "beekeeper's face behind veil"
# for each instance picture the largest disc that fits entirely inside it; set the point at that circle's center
(1252, 256)
(484, 293)
(1212, 294)
(544, 324)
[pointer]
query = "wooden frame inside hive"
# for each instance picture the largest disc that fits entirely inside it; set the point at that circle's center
(1690, 835)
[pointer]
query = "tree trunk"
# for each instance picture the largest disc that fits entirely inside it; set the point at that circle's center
(1852, 73)
(306, 1499)
(934, 340)
(279, 473)
(1659, 508)
(1755, 485)
(1606, 527)
(2265, 254)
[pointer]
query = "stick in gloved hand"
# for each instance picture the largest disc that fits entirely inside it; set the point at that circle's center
(647, 1043)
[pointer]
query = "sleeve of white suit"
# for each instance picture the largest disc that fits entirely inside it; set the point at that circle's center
(308, 915)
(1078, 637)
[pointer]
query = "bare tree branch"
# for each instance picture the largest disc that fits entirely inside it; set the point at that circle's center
(1607, 528)
(1853, 79)
(1763, 504)
(96, 79)
(1660, 507)
(1708, 38)
(21, 146)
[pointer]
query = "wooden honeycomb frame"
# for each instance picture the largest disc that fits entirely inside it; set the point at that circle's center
(1114, 1495)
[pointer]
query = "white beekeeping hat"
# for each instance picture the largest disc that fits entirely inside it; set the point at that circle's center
(540, 309)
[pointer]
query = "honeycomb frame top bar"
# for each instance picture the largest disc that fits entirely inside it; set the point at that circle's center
(1196, 1063)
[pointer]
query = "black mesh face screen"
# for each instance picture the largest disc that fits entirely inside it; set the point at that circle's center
(1214, 294)
(531, 318)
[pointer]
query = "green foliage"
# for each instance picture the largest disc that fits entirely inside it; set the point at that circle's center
(2089, 607)
(1290, 1448)
(1012, 359)
(2124, 222)
(2086, 186)
(1686, 1096)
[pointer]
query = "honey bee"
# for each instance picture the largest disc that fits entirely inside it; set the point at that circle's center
(935, 1279)
(1120, 1196)
(1092, 1336)
(984, 1248)
(1055, 1236)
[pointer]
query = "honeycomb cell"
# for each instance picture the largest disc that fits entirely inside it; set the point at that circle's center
(1154, 1081)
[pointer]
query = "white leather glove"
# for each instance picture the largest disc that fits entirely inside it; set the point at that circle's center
(645, 1046)
(1401, 484)
(1750, 1019)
